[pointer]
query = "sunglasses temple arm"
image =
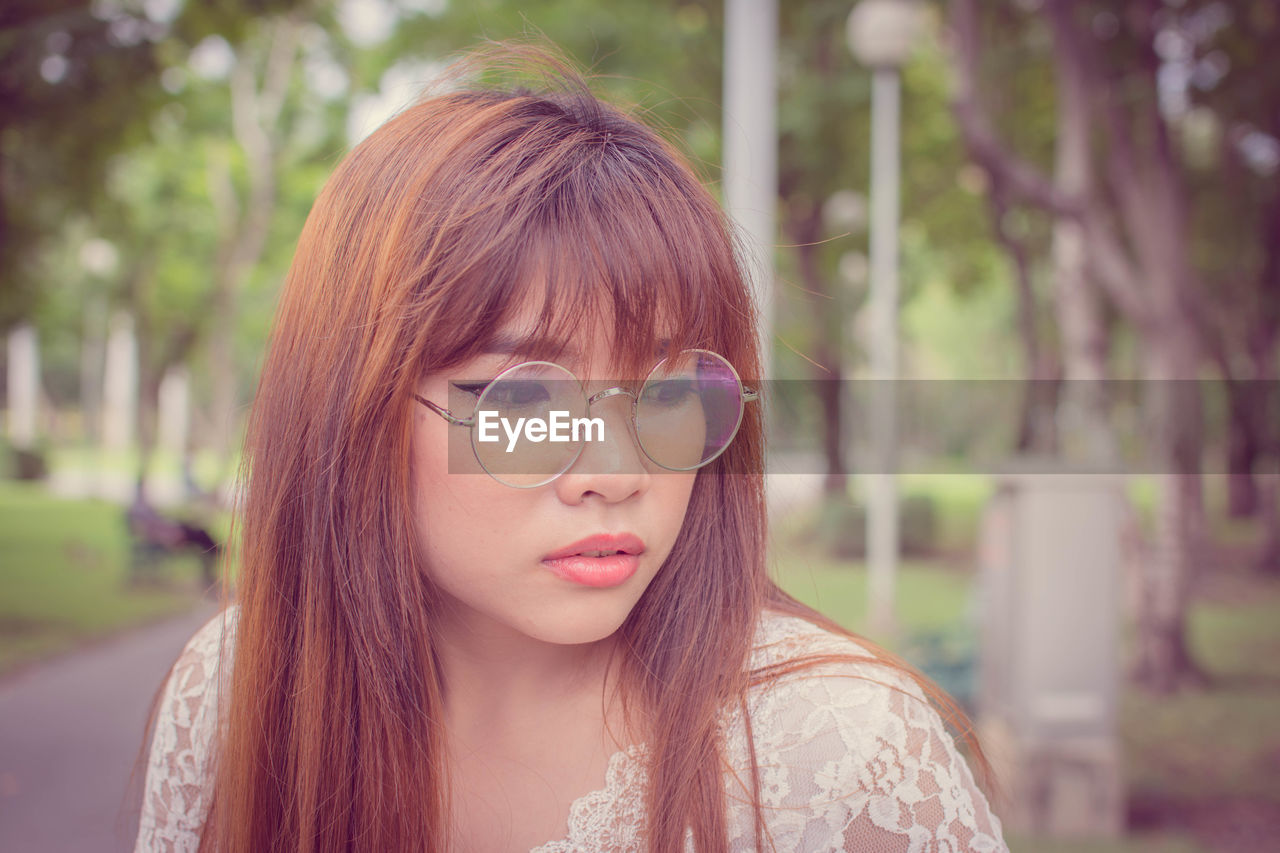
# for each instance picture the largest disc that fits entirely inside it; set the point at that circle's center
(445, 413)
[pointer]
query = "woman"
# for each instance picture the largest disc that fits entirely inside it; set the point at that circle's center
(443, 641)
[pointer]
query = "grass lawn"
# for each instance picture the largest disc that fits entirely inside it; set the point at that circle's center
(1222, 741)
(929, 596)
(64, 568)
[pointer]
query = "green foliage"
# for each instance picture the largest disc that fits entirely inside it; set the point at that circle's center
(840, 525)
(947, 234)
(663, 57)
(963, 333)
(57, 134)
(80, 81)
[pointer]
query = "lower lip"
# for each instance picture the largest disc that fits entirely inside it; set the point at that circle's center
(595, 571)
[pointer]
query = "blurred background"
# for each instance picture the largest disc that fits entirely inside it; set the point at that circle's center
(1019, 267)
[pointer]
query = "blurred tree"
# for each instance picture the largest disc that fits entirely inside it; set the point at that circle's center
(78, 80)
(822, 160)
(183, 156)
(824, 117)
(1223, 54)
(664, 57)
(1050, 135)
(261, 75)
(1123, 195)
(198, 212)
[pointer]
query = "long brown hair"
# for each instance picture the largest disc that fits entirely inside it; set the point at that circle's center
(424, 239)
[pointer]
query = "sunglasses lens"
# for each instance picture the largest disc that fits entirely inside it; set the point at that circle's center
(520, 417)
(689, 410)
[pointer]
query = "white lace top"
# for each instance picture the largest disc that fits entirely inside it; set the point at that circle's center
(846, 764)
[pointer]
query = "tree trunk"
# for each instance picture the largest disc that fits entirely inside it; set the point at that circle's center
(1037, 433)
(120, 384)
(1264, 343)
(1138, 254)
(1164, 661)
(92, 352)
(257, 101)
(1267, 470)
(148, 391)
(806, 230)
(24, 386)
(1242, 449)
(1268, 561)
(222, 361)
(1175, 424)
(1083, 412)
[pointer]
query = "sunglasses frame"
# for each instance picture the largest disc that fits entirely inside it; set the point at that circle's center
(747, 395)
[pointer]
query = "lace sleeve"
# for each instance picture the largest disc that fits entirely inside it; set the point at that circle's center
(175, 794)
(849, 764)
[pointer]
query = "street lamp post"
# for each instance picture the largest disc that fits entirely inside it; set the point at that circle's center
(751, 146)
(880, 35)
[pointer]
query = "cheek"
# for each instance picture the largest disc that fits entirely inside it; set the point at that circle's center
(451, 493)
(457, 521)
(670, 494)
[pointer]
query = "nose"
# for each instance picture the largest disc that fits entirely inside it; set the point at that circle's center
(613, 469)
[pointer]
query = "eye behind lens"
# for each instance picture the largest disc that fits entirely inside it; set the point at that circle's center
(689, 410)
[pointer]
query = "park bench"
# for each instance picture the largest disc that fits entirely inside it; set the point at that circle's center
(155, 537)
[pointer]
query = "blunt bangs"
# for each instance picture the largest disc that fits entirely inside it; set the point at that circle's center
(586, 220)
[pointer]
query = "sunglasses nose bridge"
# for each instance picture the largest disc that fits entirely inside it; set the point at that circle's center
(615, 391)
(618, 391)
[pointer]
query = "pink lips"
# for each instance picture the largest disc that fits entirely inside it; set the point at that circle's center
(573, 563)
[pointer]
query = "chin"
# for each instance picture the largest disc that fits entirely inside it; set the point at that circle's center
(570, 629)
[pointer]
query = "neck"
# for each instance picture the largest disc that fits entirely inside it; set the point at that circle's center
(502, 683)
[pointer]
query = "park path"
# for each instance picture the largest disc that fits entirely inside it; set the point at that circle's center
(70, 732)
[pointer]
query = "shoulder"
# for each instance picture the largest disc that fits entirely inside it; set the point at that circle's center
(782, 638)
(850, 752)
(209, 649)
(180, 767)
(200, 675)
(816, 690)
(795, 660)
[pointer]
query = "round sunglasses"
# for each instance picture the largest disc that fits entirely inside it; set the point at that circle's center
(531, 422)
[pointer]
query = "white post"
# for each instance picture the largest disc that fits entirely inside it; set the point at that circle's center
(882, 483)
(24, 386)
(173, 416)
(120, 384)
(92, 355)
(880, 34)
(750, 161)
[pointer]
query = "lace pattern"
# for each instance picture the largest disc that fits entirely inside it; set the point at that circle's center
(851, 758)
(180, 767)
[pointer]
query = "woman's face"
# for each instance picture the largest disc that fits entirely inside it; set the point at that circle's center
(525, 560)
